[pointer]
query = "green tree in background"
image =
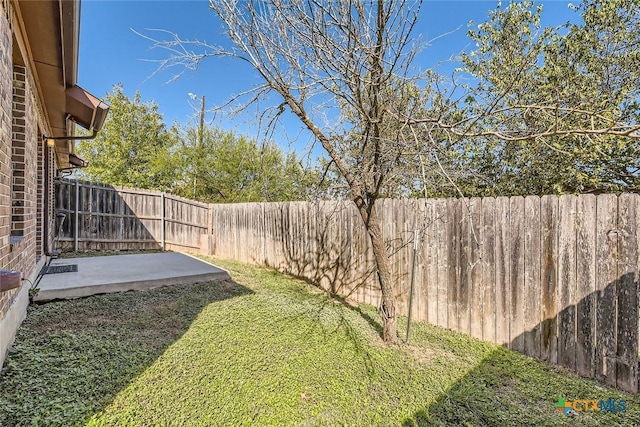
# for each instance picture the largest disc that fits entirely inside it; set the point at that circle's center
(219, 166)
(133, 148)
(558, 108)
(136, 149)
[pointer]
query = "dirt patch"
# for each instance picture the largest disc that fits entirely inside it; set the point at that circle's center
(422, 355)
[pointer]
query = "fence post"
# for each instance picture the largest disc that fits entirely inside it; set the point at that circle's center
(209, 229)
(413, 279)
(264, 236)
(163, 221)
(76, 216)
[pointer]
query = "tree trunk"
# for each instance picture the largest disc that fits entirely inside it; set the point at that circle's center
(388, 305)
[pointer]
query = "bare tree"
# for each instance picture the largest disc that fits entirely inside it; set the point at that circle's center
(337, 66)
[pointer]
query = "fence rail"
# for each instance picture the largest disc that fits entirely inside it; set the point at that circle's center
(103, 217)
(553, 277)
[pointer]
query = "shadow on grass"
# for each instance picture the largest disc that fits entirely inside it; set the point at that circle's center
(503, 390)
(374, 323)
(71, 358)
(331, 314)
(590, 338)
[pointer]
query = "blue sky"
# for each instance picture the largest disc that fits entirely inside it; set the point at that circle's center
(110, 52)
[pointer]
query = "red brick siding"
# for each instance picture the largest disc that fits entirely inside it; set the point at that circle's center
(18, 151)
(19, 143)
(6, 106)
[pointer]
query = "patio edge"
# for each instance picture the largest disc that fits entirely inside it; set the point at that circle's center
(85, 291)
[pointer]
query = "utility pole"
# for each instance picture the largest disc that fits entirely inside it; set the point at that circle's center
(202, 122)
(199, 145)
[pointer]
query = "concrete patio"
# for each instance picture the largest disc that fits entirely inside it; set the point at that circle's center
(118, 273)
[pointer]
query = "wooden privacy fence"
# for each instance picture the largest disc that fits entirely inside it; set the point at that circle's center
(103, 217)
(554, 277)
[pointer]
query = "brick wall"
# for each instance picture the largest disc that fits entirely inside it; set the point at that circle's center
(19, 144)
(24, 156)
(6, 106)
(19, 209)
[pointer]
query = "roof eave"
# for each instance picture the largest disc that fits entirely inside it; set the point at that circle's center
(70, 19)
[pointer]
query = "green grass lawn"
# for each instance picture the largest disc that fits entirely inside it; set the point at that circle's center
(265, 349)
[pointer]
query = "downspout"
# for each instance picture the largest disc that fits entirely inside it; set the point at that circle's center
(71, 138)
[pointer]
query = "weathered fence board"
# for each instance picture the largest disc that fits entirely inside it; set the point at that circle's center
(554, 277)
(567, 281)
(429, 261)
(586, 280)
(503, 296)
(607, 286)
(442, 225)
(516, 268)
(476, 297)
(453, 254)
(532, 282)
(627, 327)
(549, 283)
(488, 243)
(464, 266)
